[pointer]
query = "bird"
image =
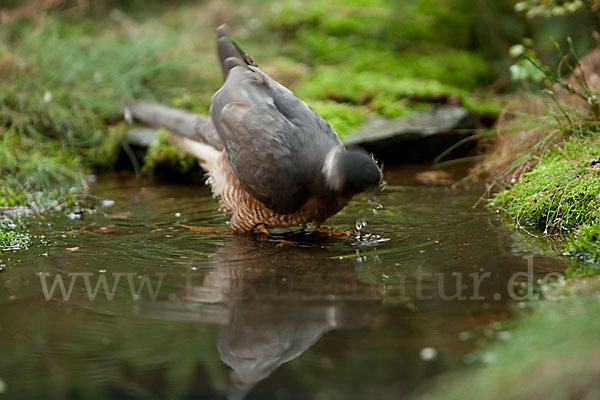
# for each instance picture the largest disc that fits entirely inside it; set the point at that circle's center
(271, 159)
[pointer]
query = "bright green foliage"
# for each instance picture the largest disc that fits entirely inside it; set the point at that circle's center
(369, 53)
(62, 82)
(62, 88)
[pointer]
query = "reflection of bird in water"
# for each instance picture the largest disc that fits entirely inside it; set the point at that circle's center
(262, 335)
(271, 159)
(275, 304)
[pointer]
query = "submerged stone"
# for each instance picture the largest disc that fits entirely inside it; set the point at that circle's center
(419, 136)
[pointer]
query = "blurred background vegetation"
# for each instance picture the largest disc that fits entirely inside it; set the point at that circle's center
(67, 66)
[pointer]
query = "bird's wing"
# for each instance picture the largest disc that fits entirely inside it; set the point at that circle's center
(260, 144)
(275, 142)
(274, 146)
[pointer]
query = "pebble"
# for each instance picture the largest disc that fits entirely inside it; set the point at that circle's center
(108, 203)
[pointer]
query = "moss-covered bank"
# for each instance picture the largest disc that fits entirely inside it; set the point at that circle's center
(546, 162)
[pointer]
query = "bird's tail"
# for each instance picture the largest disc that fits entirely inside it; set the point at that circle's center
(198, 128)
(230, 54)
(195, 134)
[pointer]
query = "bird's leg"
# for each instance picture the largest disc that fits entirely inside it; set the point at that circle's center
(265, 235)
(262, 228)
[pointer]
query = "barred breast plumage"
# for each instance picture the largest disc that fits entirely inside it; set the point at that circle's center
(247, 212)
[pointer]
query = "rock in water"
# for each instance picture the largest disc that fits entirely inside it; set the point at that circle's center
(420, 136)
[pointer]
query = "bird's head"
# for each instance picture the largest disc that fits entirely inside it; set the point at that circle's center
(350, 171)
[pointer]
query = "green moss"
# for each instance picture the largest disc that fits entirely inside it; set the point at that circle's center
(14, 241)
(344, 118)
(361, 54)
(560, 193)
(483, 104)
(163, 153)
(585, 243)
(561, 196)
(10, 239)
(63, 81)
(387, 96)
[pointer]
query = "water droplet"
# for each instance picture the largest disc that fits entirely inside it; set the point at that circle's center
(360, 224)
(428, 353)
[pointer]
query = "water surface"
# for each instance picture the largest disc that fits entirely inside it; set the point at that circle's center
(191, 311)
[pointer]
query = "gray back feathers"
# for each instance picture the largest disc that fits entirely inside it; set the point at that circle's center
(275, 142)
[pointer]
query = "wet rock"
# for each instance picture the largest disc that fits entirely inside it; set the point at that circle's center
(16, 211)
(142, 137)
(420, 136)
